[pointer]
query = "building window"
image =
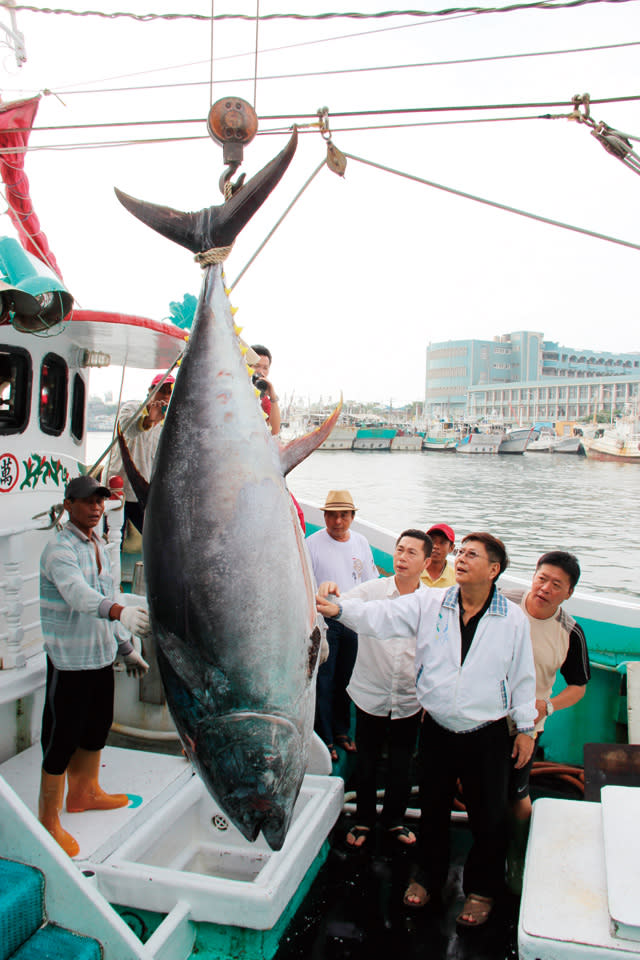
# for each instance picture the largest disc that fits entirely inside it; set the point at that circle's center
(53, 394)
(15, 389)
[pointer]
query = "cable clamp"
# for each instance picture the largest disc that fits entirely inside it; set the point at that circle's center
(584, 101)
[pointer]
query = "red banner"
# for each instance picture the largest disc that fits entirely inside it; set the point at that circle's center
(16, 120)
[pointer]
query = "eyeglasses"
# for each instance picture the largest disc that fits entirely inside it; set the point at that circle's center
(469, 554)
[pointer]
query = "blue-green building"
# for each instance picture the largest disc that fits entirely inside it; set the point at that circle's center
(520, 376)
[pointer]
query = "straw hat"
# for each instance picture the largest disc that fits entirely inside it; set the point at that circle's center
(339, 500)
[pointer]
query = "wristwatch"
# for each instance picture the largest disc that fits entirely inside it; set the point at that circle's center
(550, 706)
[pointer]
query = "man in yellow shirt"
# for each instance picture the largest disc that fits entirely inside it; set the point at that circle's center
(438, 572)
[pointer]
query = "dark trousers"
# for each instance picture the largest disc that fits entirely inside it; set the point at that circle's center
(371, 733)
(333, 706)
(481, 760)
(78, 712)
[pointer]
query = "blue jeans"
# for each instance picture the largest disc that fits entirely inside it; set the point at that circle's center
(333, 706)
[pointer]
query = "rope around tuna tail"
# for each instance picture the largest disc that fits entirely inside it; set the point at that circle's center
(215, 255)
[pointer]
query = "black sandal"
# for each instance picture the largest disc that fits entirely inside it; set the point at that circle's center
(397, 833)
(356, 833)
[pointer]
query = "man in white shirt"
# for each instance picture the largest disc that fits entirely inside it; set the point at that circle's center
(383, 688)
(141, 434)
(474, 668)
(344, 557)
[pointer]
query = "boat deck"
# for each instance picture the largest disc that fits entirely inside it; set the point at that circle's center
(149, 784)
(354, 910)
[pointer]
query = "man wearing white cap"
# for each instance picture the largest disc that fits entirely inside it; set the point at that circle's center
(340, 555)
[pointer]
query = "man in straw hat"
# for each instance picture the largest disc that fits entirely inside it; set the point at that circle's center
(342, 556)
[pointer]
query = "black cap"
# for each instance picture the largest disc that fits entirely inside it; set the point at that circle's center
(81, 487)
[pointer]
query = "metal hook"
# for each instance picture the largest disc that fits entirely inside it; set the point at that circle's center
(227, 188)
(323, 116)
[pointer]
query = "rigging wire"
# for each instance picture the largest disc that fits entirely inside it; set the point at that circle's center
(277, 223)
(255, 67)
(493, 203)
(211, 55)
(334, 15)
(292, 118)
(278, 49)
(347, 71)
(279, 131)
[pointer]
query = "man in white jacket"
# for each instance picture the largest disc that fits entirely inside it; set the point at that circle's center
(474, 668)
(383, 689)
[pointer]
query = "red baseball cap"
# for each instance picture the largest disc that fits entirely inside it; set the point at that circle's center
(443, 528)
(160, 376)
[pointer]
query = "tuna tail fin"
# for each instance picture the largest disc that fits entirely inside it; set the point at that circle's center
(216, 226)
(135, 478)
(299, 449)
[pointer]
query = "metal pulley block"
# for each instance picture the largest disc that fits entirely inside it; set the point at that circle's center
(232, 122)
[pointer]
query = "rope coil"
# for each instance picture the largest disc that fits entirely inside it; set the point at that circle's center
(214, 255)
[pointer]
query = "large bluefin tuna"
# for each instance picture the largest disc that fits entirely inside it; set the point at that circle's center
(230, 590)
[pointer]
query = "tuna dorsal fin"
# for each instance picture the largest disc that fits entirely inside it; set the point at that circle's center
(135, 478)
(299, 449)
(216, 226)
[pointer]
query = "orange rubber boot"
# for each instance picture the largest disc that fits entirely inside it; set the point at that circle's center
(85, 793)
(49, 807)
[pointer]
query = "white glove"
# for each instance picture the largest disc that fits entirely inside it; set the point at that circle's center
(136, 665)
(324, 650)
(136, 620)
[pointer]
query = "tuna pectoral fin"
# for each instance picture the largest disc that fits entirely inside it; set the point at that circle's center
(139, 484)
(299, 449)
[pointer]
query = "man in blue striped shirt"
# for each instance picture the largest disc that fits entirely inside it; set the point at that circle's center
(84, 629)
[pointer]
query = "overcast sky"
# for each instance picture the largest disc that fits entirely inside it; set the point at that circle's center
(366, 270)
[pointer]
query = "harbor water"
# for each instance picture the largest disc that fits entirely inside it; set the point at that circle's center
(534, 502)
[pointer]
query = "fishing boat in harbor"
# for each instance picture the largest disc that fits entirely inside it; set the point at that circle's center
(440, 444)
(478, 442)
(374, 438)
(441, 437)
(543, 440)
(516, 441)
(571, 442)
(406, 440)
(620, 444)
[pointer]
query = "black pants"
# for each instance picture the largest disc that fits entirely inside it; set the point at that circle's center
(481, 761)
(333, 706)
(371, 732)
(78, 712)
